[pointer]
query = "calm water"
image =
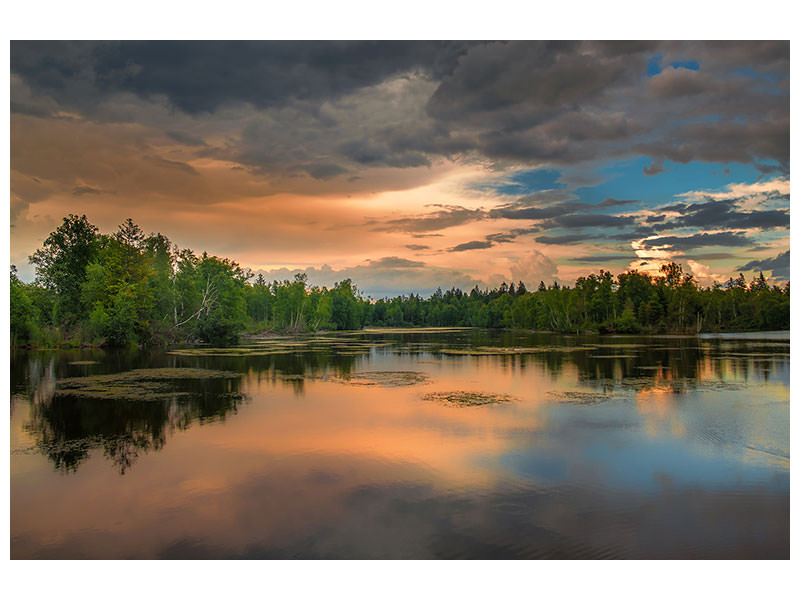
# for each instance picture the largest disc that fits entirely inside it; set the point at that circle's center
(628, 447)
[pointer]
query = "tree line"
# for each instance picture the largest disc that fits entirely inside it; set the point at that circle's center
(131, 288)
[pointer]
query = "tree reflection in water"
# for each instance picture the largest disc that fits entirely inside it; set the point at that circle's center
(67, 428)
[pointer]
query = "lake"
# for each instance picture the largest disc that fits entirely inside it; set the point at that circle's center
(406, 444)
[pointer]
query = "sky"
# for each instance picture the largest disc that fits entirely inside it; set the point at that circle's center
(408, 166)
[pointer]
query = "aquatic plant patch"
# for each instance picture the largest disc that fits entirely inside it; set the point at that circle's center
(578, 397)
(462, 398)
(139, 384)
(383, 378)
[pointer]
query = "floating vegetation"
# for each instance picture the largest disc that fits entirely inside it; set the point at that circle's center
(384, 378)
(83, 362)
(376, 378)
(752, 354)
(273, 346)
(139, 384)
(626, 346)
(229, 352)
(461, 398)
(379, 330)
(492, 351)
(578, 397)
(672, 348)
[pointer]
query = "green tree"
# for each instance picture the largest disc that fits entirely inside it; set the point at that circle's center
(61, 265)
(23, 313)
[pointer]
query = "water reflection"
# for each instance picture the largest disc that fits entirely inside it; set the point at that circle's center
(67, 428)
(613, 447)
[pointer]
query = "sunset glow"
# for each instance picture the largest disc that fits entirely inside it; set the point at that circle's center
(408, 166)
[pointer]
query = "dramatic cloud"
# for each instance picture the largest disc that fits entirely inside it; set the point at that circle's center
(778, 265)
(281, 154)
(698, 240)
(448, 216)
(562, 102)
(723, 214)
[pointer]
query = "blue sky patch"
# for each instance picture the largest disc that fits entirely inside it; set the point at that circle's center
(692, 65)
(628, 181)
(525, 182)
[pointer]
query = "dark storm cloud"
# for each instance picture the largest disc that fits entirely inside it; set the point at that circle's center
(372, 152)
(324, 170)
(521, 83)
(475, 245)
(725, 141)
(185, 138)
(564, 102)
(532, 101)
(699, 240)
(778, 265)
(199, 76)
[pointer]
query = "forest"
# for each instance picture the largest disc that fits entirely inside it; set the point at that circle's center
(130, 288)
